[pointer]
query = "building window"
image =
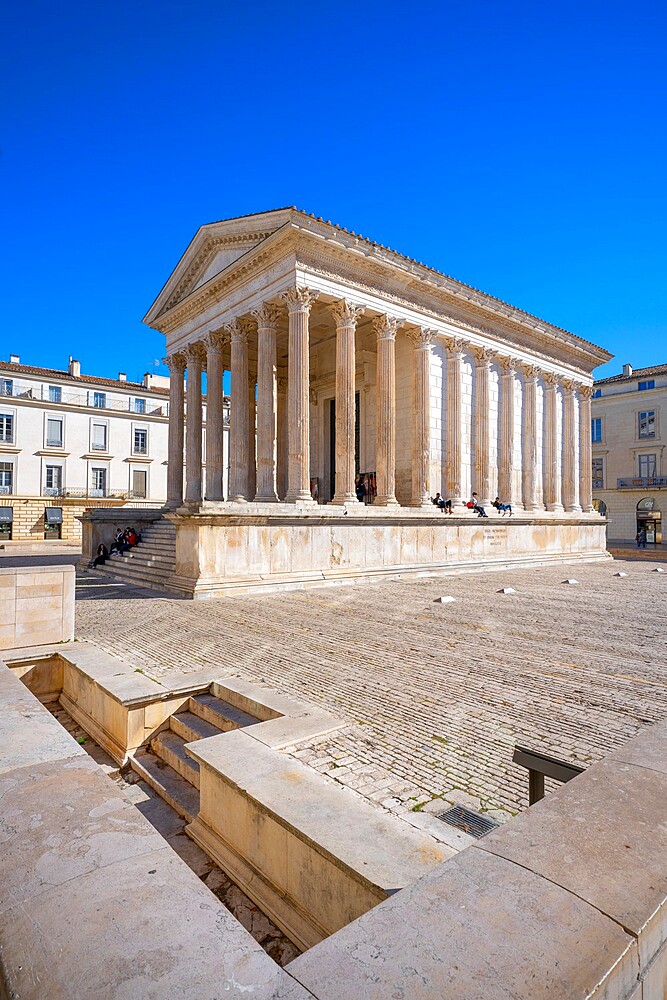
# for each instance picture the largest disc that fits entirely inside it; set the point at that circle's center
(55, 394)
(596, 429)
(100, 400)
(648, 384)
(647, 466)
(139, 484)
(99, 437)
(597, 393)
(6, 477)
(598, 474)
(7, 428)
(99, 482)
(140, 406)
(54, 432)
(140, 442)
(54, 479)
(647, 424)
(6, 387)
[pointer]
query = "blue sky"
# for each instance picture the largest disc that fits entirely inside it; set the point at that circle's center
(520, 147)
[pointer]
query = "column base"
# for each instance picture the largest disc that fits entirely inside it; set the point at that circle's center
(555, 508)
(267, 498)
(573, 508)
(172, 504)
(590, 509)
(340, 499)
(386, 501)
(301, 496)
(238, 498)
(424, 502)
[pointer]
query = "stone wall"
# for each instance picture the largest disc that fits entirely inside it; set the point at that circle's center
(36, 605)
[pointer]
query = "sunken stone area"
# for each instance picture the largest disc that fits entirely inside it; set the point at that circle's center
(434, 696)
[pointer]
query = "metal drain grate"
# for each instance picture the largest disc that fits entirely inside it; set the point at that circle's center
(468, 821)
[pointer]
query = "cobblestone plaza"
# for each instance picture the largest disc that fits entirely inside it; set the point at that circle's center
(435, 695)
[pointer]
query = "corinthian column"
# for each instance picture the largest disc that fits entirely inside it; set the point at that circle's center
(529, 438)
(506, 458)
(299, 302)
(282, 436)
(193, 493)
(421, 431)
(176, 365)
(552, 497)
(214, 458)
(385, 448)
(585, 461)
(238, 417)
(569, 449)
(453, 455)
(346, 315)
(267, 323)
(252, 436)
(483, 358)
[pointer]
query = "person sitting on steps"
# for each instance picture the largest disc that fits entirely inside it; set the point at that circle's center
(473, 503)
(504, 507)
(444, 505)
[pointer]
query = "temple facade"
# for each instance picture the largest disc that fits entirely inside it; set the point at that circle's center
(351, 364)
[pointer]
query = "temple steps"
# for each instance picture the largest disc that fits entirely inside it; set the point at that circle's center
(151, 563)
(165, 765)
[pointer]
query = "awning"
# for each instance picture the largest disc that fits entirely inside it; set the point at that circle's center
(6, 515)
(53, 515)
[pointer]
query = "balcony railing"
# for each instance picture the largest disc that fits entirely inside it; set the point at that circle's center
(23, 390)
(642, 483)
(598, 484)
(82, 493)
(6, 490)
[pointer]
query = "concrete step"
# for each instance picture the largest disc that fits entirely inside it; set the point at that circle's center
(171, 748)
(169, 785)
(220, 713)
(191, 727)
(151, 559)
(136, 575)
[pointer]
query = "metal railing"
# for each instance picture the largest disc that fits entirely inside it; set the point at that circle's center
(23, 390)
(85, 493)
(642, 483)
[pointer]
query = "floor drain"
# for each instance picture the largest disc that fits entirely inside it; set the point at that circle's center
(468, 821)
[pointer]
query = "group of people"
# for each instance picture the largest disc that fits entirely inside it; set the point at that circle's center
(473, 504)
(123, 541)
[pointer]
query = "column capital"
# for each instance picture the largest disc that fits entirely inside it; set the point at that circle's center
(531, 373)
(215, 340)
(585, 391)
(346, 313)
(236, 331)
(508, 365)
(456, 346)
(266, 316)
(386, 327)
(299, 300)
(551, 380)
(194, 353)
(483, 356)
(175, 363)
(422, 337)
(569, 387)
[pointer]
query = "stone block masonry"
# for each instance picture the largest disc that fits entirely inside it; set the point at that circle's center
(36, 605)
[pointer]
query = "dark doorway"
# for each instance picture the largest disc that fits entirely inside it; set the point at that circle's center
(332, 442)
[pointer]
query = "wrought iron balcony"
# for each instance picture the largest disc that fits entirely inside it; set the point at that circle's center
(83, 493)
(642, 483)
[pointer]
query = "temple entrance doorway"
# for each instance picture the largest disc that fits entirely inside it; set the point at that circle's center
(332, 444)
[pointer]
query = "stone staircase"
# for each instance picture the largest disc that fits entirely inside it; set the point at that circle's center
(151, 563)
(165, 765)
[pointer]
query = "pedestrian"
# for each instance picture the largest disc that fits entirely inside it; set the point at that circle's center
(641, 538)
(360, 489)
(504, 507)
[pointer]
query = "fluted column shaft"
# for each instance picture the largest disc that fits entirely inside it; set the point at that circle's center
(299, 302)
(506, 489)
(267, 322)
(346, 315)
(481, 422)
(585, 458)
(238, 417)
(282, 442)
(193, 477)
(570, 483)
(529, 440)
(385, 447)
(176, 365)
(421, 431)
(214, 456)
(252, 436)
(552, 492)
(453, 453)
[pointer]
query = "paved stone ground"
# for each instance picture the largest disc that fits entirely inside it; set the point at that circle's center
(435, 696)
(170, 825)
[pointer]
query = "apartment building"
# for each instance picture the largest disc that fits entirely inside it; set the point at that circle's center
(629, 435)
(70, 441)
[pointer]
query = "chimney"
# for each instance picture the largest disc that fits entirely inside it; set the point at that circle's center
(627, 371)
(122, 377)
(14, 359)
(74, 368)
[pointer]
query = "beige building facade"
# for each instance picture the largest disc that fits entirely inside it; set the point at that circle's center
(629, 462)
(355, 364)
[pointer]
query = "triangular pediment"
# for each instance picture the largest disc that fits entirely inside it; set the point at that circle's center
(213, 249)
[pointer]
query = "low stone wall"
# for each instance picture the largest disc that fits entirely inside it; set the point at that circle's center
(230, 553)
(310, 853)
(36, 605)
